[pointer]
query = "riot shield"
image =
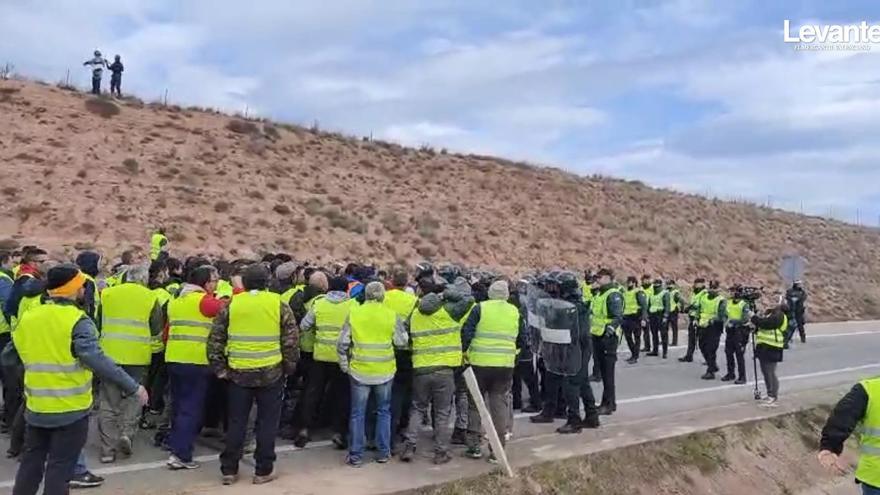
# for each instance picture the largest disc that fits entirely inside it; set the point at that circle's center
(554, 326)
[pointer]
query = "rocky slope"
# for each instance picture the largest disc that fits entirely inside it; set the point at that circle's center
(84, 172)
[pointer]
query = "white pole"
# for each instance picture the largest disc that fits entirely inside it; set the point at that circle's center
(486, 418)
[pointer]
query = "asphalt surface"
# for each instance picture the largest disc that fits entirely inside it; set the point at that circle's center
(652, 392)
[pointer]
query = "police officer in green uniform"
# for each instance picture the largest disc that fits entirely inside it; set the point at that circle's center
(693, 308)
(635, 312)
(738, 316)
(710, 325)
(606, 314)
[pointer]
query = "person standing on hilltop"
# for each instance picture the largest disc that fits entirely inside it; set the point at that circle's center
(116, 69)
(98, 63)
(158, 244)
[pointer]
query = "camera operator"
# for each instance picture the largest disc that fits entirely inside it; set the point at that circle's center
(769, 341)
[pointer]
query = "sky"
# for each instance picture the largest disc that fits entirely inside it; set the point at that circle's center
(701, 96)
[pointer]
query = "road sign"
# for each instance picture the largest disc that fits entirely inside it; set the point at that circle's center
(791, 268)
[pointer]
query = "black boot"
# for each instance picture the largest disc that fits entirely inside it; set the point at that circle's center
(686, 359)
(708, 376)
(595, 378)
(727, 378)
(653, 354)
(591, 421)
(740, 381)
(632, 360)
(605, 410)
(541, 419)
(570, 427)
(531, 408)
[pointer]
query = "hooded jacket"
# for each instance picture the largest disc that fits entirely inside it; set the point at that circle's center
(458, 299)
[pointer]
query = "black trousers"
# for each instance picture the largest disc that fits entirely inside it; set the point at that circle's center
(659, 332)
(673, 327)
(96, 85)
(116, 85)
(548, 392)
(326, 380)
(693, 338)
(156, 381)
(524, 373)
(646, 336)
(632, 331)
(735, 350)
(710, 339)
(401, 395)
(240, 401)
(51, 452)
(574, 390)
(215, 404)
(796, 323)
(295, 393)
(605, 354)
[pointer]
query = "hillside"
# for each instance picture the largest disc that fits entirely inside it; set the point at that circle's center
(82, 172)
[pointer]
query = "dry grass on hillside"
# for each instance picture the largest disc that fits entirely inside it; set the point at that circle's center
(83, 171)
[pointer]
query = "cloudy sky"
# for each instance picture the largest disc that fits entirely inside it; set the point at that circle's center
(699, 96)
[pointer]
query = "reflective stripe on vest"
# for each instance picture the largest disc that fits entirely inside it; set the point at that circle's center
(372, 333)
(254, 334)
(631, 302)
(329, 318)
(709, 310)
(54, 381)
(599, 313)
(125, 323)
(773, 337)
(188, 330)
(436, 339)
(494, 343)
(868, 470)
(657, 302)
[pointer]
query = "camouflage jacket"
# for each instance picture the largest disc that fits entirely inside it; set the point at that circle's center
(260, 377)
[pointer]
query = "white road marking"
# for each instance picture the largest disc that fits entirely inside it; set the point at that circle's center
(796, 343)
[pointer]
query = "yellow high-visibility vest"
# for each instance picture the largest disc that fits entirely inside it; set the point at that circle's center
(54, 380)
(125, 323)
(329, 318)
(372, 349)
(254, 333)
(436, 339)
(188, 330)
(868, 470)
(494, 343)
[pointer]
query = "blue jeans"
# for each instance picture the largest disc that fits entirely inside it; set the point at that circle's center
(870, 490)
(80, 468)
(189, 386)
(360, 395)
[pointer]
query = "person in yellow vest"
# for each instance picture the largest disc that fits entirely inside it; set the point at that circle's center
(301, 302)
(676, 303)
(458, 300)
(253, 344)
(158, 244)
(366, 354)
(710, 325)
(658, 317)
(606, 314)
(186, 360)
(435, 339)
(736, 337)
(130, 316)
(635, 311)
(693, 309)
(490, 337)
(858, 411)
(325, 319)
(770, 331)
(57, 344)
(403, 303)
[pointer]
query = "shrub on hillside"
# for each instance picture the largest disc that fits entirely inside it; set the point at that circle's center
(242, 127)
(102, 107)
(131, 166)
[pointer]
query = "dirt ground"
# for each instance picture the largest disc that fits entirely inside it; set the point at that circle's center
(766, 457)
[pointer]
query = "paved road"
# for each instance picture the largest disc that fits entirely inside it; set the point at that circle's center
(654, 389)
